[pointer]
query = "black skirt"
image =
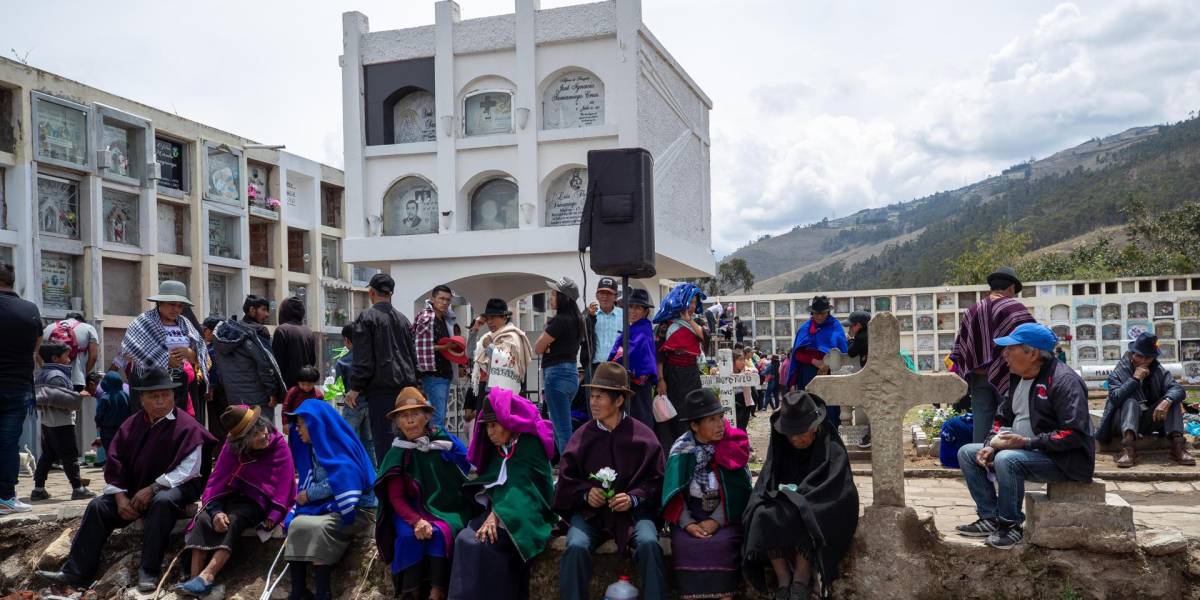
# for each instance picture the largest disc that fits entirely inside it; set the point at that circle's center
(681, 380)
(243, 514)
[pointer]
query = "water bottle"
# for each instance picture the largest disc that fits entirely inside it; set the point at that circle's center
(621, 590)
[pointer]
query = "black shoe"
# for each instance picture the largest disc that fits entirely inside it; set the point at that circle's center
(1006, 537)
(980, 528)
(82, 493)
(39, 495)
(146, 582)
(63, 579)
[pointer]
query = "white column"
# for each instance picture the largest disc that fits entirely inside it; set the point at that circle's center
(354, 25)
(445, 98)
(629, 22)
(527, 94)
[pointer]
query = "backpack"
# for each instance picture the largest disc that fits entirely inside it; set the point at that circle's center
(65, 334)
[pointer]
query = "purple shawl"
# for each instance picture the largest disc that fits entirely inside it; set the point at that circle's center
(267, 476)
(515, 414)
(642, 358)
(140, 452)
(974, 349)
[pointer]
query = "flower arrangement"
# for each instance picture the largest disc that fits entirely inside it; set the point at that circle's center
(273, 203)
(606, 477)
(931, 419)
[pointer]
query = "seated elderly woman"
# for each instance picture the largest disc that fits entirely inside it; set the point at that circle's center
(422, 504)
(515, 486)
(334, 504)
(705, 488)
(253, 483)
(803, 511)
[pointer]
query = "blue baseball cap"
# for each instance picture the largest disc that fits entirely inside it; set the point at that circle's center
(1032, 334)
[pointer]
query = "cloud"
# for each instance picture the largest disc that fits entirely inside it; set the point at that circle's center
(804, 149)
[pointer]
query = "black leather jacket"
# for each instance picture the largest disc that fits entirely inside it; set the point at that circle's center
(385, 354)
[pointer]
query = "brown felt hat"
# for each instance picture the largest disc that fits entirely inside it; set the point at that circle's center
(610, 376)
(239, 420)
(410, 398)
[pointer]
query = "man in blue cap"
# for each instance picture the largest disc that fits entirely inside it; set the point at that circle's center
(1143, 398)
(1042, 433)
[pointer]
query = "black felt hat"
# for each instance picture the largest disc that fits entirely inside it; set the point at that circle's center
(638, 297)
(496, 308)
(819, 304)
(701, 403)
(1146, 344)
(1005, 274)
(801, 413)
(154, 378)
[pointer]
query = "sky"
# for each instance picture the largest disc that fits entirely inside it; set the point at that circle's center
(820, 108)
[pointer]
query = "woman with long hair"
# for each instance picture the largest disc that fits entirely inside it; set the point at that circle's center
(559, 345)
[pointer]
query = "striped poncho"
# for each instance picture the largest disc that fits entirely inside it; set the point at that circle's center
(974, 349)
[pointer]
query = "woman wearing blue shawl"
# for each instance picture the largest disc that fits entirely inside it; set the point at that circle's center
(335, 502)
(679, 340)
(816, 337)
(643, 368)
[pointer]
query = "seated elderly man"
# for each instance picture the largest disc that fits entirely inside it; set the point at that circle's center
(152, 473)
(1143, 398)
(1042, 433)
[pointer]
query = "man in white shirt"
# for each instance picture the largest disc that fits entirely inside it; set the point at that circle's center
(152, 473)
(85, 350)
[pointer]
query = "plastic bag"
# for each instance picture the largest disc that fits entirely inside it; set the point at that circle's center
(663, 409)
(1193, 428)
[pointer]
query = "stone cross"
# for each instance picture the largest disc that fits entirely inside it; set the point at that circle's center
(886, 389)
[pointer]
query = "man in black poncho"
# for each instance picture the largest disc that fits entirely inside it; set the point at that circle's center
(802, 514)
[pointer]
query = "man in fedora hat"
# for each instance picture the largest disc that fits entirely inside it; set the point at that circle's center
(977, 358)
(1143, 399)
(385, 359)
(153, 471)
(609, 483)
(436, 372)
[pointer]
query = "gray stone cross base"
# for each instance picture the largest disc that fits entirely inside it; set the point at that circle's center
(1070, 514)
(886, 389)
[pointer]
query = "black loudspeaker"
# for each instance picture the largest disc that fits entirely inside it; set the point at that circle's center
(618, 216)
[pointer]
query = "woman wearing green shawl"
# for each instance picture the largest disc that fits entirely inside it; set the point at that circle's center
(422, 504)
(516, 486)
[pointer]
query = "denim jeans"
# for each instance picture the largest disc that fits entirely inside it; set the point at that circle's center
(31, 431)
(1013, 468)
(575, 567)
(984, 399)
(437, 391)
(13, 406)
(560, 382)
(360, 424)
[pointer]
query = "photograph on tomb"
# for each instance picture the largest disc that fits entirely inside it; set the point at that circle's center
(575, 99)
(1112, 353)
(924, 322)
(1165, 330)
(1088, 353)
(924, 301)
(410, 207)
(1110, 312)
(58, 280)
(904, 303)
(924, 343)
(171, 163)
(945, 300)
(218, 288)
(1085, 312)
(1164, 309)
(1189, 329)
(223, 172)
(945, 321)
(173, 229)
(58, 206)
(783, 308)
(1135, 328)
(488, 113)
(61, 132)
(1166, 352)
(925, 362)
(494, 206)
(1110, 332)
(1085, 332)
(1189, 350)
(120, 210)
(116, 141)
(565, 197)
(258, 183)
(841, 305)
(1189, 309)
(863, 304)
(1138, 310)
(906, 322)
(883, 304)
(414, 118)
(1060, 312)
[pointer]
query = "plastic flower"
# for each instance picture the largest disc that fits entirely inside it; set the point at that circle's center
(606, 477)
(273, 202)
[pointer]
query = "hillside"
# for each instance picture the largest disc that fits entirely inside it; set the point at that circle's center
(1056, 199)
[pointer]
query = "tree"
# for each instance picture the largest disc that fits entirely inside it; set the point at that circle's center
(735, 274)
(1004, 247)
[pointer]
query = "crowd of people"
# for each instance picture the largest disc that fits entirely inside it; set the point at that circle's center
(228, 414)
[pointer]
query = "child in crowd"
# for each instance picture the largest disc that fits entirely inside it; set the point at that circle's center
(744, 400)
(57, 402)
(305, 389)
(112, 408)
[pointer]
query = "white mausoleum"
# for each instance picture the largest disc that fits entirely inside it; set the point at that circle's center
(466, 145)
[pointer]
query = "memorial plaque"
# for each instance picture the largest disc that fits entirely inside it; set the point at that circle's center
(222, 236)
(171, 164)
(292, 193)
(58, 280)
(1165, 330)
(172, 273)
(61, 132)
(575, 99)
(494, 206)
(1110, 332)
(1135, 328)
(1191, 372)
(120, 217)
(904, 303)
(1164, 309)
(410, 207)
(258, 184)
(1189, 309)
(222, 176)
(58, 206)
(1167, 352)
(217, 302)
(414, 118)
(1088, 353)
(488, 113)
(565, 198)
(1190, 350)
(1111, 312)
(116, 141)
(1189, 329)
(172, 229)
(1138, 310)
(924, 322)
(1085, 312)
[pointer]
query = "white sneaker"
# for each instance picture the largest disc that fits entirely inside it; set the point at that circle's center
(13, 506)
